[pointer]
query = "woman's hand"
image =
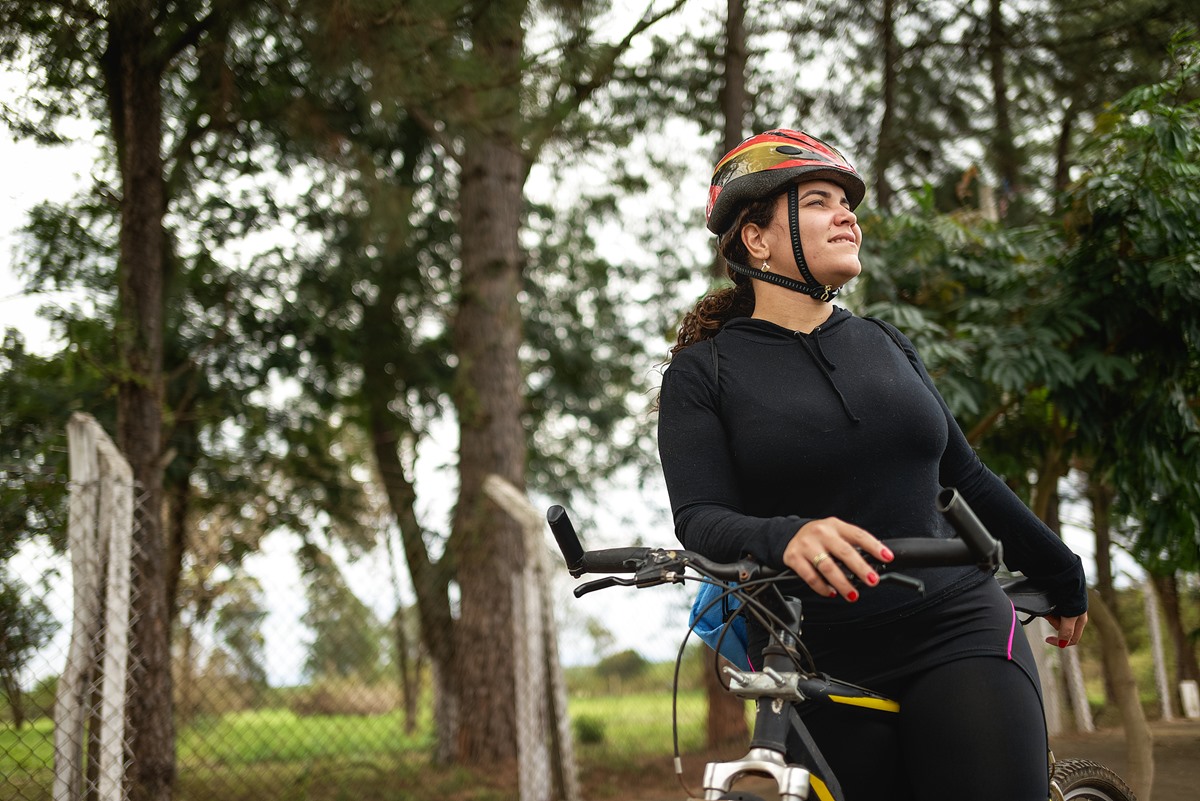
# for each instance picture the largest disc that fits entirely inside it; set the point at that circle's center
(821, 550)
(1070, 629)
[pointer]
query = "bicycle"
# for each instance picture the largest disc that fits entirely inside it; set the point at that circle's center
(788, 680)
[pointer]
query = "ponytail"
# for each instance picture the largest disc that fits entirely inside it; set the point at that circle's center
(714, 310)
(722, 305)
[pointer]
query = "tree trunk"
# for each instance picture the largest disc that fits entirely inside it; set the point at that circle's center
(886, 146)
(135, 106)
(1005, 147)
(733, 98)
(1186, 667)
(1101, 497)
(1062, 153)
(488, 547)
(1154, 628)
(176, 508)
(726, 712)
(428, 578)
(1138, 741)
(1066, 682)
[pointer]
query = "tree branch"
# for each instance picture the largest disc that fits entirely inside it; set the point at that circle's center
(981, 428)
(599, 71)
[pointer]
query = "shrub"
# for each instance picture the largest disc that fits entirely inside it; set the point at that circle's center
(589, 730)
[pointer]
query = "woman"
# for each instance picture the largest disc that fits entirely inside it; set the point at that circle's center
(802, 435)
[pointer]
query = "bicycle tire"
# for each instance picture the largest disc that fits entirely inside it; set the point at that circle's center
(1084, 780)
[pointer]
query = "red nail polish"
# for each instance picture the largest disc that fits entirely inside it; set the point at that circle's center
(887, 555)
(872, 578)
(1063, 643)
(852, 596)
(833, 593)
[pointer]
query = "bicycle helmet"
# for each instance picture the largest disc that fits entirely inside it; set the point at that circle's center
(766, 164)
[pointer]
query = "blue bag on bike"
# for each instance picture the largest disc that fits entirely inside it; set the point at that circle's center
(710, 617)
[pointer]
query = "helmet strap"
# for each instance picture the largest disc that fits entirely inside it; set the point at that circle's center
(812, 287)
(814, 290)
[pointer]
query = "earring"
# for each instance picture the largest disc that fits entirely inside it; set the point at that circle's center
(766, 268)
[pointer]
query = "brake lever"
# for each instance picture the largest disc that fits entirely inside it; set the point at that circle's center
(904, 581)
(650, 576)
(602, 584)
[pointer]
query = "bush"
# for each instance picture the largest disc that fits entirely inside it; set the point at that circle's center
(589, 730)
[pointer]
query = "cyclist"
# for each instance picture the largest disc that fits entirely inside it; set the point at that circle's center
(798, 433)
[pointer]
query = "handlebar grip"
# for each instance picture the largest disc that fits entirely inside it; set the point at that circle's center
(924, 552)
(986, 549)
(613, 560)
(567, 539)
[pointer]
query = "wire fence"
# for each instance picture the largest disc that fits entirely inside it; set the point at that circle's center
(293, 677)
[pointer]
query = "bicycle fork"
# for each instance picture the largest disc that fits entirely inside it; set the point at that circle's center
(765, 757)
(774, 696)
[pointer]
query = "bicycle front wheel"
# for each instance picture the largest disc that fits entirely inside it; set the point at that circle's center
(1083, 780)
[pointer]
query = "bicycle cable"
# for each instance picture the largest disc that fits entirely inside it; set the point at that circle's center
(751, 607)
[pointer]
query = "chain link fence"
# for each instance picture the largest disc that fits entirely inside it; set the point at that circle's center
(296, 674)
(284, 731)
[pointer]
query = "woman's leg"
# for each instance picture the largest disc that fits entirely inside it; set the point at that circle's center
(862, 746)
(974, 728)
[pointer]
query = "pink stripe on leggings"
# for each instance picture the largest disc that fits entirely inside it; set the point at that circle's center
(1012, 630)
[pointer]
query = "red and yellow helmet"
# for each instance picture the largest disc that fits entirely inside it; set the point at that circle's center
(766, 164)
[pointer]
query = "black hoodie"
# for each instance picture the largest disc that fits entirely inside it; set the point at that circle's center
(762, 429)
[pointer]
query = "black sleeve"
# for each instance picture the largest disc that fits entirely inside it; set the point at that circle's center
(1029, 545)
(699, 471)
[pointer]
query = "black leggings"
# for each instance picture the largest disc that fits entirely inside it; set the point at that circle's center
(971, 728)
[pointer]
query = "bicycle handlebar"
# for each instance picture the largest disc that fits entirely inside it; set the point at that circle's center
(567, 539)
(984, 547)
(975, 546)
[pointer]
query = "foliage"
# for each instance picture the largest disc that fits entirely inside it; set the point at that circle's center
(588, 730)
(346, 635)
(26, 625)
(1133, 270)
(627, 664)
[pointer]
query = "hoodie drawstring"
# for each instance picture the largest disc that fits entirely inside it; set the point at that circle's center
(826, 366)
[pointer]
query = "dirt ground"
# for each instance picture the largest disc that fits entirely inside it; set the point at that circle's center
(1176, 767)
(1176, 756)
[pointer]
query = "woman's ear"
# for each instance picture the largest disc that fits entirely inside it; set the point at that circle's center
(755, 241)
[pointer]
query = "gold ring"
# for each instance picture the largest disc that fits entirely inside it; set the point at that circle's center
(821, 557)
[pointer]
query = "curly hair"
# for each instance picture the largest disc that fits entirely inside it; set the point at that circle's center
(721, 305)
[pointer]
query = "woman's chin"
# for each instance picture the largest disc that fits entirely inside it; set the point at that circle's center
(841, 277)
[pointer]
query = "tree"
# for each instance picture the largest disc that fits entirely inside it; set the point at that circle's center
(489, 106)
(899, 89)
(1085, 342)
(1167, 588)
(346, 634)
(1130, 272)
(26, 625)
(158, 75)
(123, 44)
(1116, 664)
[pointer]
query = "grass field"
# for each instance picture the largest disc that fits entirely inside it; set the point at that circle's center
(277, 754)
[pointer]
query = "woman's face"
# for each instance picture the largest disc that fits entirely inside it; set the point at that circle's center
(829, 234)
